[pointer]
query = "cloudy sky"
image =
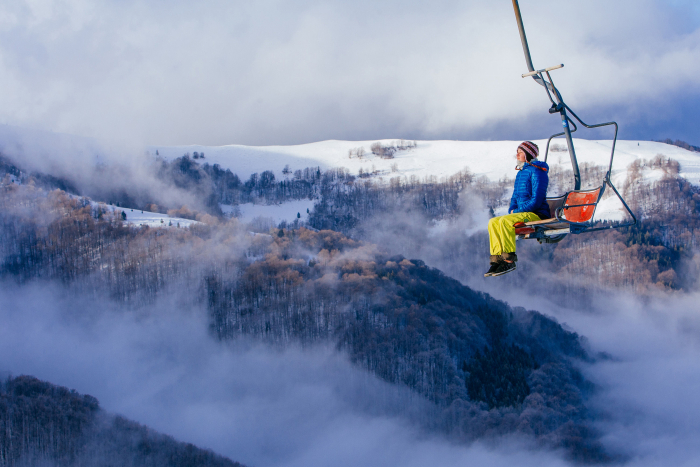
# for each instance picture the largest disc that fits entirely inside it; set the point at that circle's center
(285, 72)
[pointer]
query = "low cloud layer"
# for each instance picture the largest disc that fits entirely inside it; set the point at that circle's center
(274, 72)
(265, 407)
(648, 387)
(254, 404)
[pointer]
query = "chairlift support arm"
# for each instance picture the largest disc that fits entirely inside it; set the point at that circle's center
(558, 106)
(544, 70)
(557, 101)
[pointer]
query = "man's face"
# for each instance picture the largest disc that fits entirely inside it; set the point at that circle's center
(521, 156)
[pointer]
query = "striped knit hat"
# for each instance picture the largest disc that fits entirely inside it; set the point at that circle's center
(531, 150)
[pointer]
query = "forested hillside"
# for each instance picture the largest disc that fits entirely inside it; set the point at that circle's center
(43, 424)
(425, 218)
(657, 253)
(403, 321)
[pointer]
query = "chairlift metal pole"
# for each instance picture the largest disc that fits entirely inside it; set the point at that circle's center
(523, 38)
(556, 107)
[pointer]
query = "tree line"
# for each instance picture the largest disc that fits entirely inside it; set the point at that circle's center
(44, 424)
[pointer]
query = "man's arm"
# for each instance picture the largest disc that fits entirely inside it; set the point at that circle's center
(513, 203)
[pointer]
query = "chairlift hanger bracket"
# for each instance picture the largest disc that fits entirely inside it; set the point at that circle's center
(556, 230)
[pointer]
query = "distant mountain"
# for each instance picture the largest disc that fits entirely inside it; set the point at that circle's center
(43, 424)
(492, 159)
(681, 144)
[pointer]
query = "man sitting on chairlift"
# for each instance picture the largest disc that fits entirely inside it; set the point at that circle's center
(527, 204)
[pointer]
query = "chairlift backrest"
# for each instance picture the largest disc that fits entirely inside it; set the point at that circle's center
(575, 206)
(580, 205)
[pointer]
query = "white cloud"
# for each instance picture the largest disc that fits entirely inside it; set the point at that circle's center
(646, 391)
(255, 404)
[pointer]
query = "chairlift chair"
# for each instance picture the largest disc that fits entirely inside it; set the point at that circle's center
(573, 211)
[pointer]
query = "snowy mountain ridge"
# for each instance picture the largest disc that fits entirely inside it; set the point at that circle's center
(493, 159)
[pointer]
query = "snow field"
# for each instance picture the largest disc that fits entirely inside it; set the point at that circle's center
(492, 159)
(138, 218)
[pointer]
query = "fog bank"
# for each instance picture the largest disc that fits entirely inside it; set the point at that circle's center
(255, 404)
(262, 406)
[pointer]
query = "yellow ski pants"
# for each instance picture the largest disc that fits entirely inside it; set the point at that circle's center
(502, 232)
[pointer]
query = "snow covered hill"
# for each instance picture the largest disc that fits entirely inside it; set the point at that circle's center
(494, 159)
(137, 217)
(70, 157)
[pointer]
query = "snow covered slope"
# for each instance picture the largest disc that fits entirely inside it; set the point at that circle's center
(494, 159)
(137, 217)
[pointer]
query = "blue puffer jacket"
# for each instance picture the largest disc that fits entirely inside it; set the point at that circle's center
(530, 189)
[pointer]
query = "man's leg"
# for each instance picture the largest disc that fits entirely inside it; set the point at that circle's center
(504, 229)
(495, 244)
(495, 240)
